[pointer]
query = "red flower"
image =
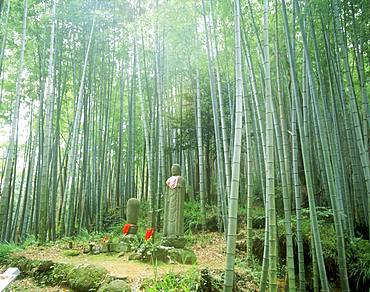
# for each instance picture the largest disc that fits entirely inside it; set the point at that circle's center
(149, 233)
(126, 228)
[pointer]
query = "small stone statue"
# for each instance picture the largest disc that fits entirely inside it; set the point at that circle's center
(133, 206)
(173, 229)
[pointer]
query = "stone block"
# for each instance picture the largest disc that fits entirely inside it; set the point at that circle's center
(174, 241)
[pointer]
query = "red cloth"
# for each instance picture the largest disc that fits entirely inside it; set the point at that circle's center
(149, 233)
(172, 181)
(126, 228)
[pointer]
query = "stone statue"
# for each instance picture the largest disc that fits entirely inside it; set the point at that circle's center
(133, 206)
(173, 229)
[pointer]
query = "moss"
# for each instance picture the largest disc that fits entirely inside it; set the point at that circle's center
(79, 278)
(71, 253)
(86, 278)
(60, 274)
(25, 265)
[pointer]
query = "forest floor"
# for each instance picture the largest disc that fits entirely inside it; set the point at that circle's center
(209, 248)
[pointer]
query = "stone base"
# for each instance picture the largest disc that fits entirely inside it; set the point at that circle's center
(174, 241)
(167, 255)
(133, 230)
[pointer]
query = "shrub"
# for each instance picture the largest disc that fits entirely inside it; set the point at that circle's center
(359, 263)
(6, 249)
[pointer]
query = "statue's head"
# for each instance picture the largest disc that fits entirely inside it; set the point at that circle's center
(175, 169)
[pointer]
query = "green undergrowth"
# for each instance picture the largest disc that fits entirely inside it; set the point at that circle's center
(357, 250)
(193, 217)
(251, 267)
(71, 253)
(359, 263)
(203, 239)
(205, 280)
(188, 281)
(6, 250)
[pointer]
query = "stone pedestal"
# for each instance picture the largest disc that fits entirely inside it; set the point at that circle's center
(166, 254)
(174, 241)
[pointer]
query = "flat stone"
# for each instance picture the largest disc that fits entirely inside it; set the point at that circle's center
(8, 276)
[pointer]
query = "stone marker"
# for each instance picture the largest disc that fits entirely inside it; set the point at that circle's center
(133, 206)
(173, 228)
(7, 277)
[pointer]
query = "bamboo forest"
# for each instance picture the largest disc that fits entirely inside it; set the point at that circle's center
(184, 145)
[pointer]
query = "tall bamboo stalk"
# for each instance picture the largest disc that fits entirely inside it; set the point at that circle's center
(235, 174)
(13, 139)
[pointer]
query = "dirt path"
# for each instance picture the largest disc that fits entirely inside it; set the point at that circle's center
(209, 250)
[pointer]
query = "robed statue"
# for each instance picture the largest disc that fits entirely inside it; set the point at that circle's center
(173, 229)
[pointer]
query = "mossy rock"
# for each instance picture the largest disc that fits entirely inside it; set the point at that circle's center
(79, 278)
(173, 241)
(166, 254)
(182, 256)
(113, 247)
(71, 253)
(59, 276)
(115, 286)
(159, 253)
(22, 263)
(86, 278)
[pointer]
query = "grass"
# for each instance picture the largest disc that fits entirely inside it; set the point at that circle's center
(188, 281)
(6, 250)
